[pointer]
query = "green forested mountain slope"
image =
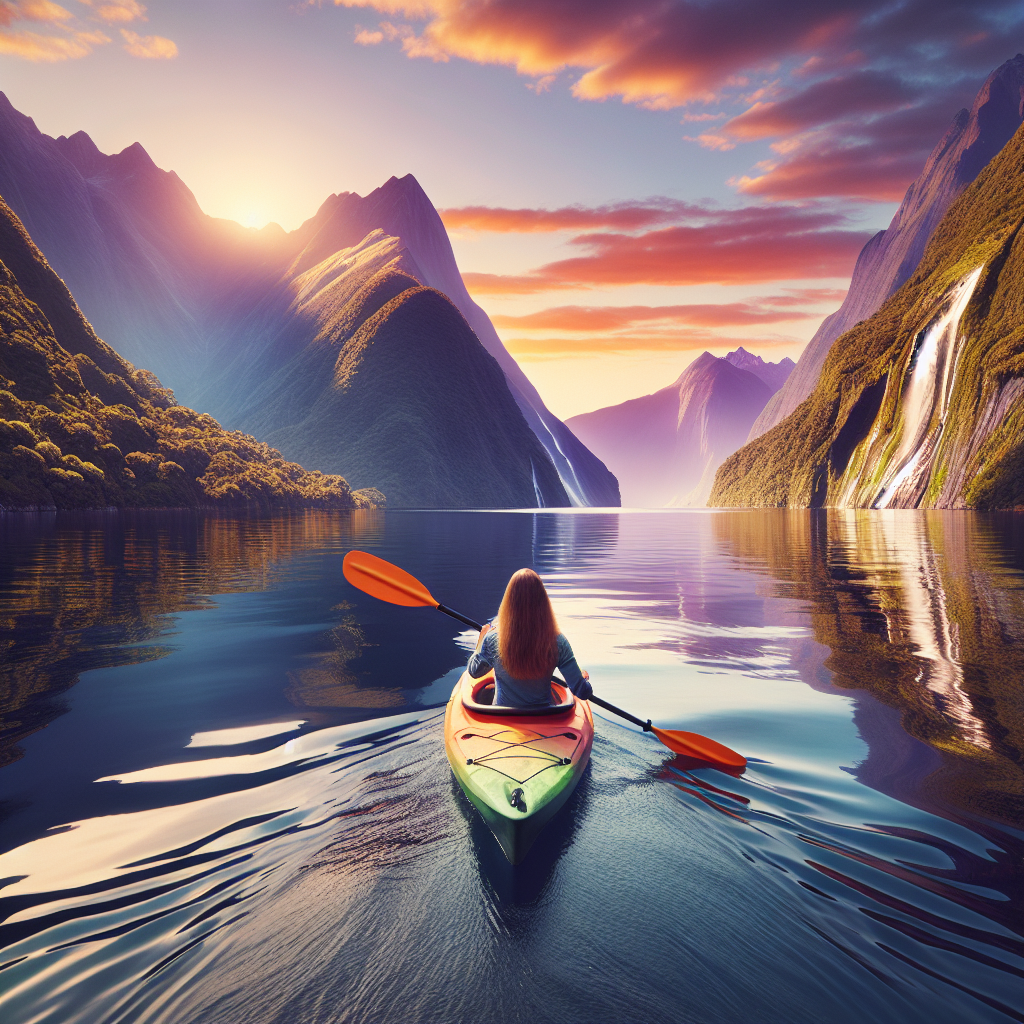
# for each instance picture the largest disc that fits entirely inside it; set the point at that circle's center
(406, 397)
(80, 427)
(917, 406)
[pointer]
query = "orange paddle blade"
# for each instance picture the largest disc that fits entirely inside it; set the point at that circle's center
(692, 744)
(385, 581)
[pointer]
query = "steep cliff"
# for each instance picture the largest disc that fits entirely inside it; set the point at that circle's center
(922, 405)
(972, 140)
(401, 208)
(664, 448)
(415, 402)
(354, 367)
(80, 427)
(198, 299)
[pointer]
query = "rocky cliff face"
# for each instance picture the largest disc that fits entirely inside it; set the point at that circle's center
(973, 139)
(80, 427)
(213, 307)
(664, 448)
(921, 405)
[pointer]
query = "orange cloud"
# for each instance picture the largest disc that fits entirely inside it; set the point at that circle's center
(537, 349)
(797, 66)
(412, 44)
(112, 11)
(648, 52)
(617, 318)
(542, 84)
(744, 246)
(149, 47)
(711, 141)
(854, 172)
(805, 296)
(37, 46)
(42, 11)
(72, 38)
(627, 216)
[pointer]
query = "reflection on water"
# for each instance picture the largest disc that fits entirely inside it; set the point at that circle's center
(925, 611)
(226, 797)
(86, 592)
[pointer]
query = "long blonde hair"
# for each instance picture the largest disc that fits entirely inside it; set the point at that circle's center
(527, 630)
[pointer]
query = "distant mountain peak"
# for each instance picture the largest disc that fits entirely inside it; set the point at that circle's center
(772, 374)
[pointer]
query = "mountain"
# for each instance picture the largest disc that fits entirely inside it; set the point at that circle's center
(370, 370)
(80, 427)
(664, 448)
(973, 139)
(774, 375)
(921, 405)
(194, 297)
(401, 209)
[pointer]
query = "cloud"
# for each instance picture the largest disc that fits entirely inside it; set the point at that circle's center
(748, 245)
(531, 349)
(690, 118)
(617, 318)
(863, 92)
(149, 47)
(596, 329)
(543, 84)
(412, 44)
(805, 296)
(815, 75)
(665, 53)
(711, 141)
(874, 161)
(656, 53)
(121, 11)
(66, 43)
(33, 10)
(35, 47)
(69, 37)
(626, 216)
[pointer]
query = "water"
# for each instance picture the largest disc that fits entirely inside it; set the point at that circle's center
(226, 796)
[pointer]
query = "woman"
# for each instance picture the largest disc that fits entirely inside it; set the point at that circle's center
(526, 647)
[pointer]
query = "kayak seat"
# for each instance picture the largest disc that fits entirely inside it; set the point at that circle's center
(479, 697)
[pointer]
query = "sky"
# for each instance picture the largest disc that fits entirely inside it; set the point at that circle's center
(626, 183)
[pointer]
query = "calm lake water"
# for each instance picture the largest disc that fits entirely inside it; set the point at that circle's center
(226, 797)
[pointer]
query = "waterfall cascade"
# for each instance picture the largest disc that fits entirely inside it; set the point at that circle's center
(926, 398)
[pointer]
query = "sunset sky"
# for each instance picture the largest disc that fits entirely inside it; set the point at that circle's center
(625, 182)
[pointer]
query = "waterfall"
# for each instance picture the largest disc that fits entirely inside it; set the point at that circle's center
(536, 488)
(932, 376)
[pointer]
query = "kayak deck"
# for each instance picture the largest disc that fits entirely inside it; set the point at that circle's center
(516, 768)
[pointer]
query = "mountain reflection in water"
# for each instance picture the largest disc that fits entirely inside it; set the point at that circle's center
(226, 796)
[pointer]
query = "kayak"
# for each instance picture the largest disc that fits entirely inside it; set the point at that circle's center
(517, 767)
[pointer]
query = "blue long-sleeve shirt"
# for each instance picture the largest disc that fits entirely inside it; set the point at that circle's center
(526, 693)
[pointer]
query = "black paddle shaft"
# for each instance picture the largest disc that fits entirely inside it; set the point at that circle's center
(646, 726)
(461, 618)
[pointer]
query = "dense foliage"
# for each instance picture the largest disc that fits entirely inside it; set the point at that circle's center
(80, 427)
(802, 461)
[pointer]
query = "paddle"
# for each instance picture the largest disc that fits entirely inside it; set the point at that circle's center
(381, 579)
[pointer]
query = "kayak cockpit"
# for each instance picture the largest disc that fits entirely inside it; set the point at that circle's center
(478, 697)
